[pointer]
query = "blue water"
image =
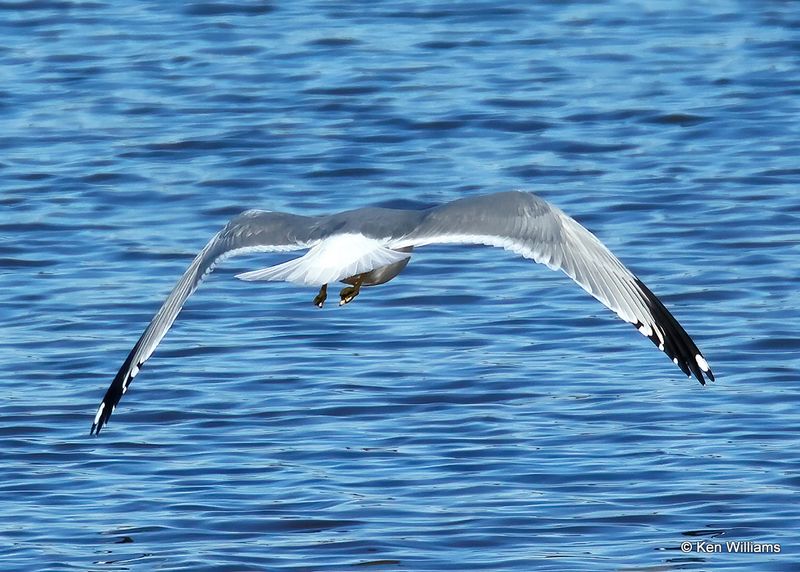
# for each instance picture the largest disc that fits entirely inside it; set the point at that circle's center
(477, 413)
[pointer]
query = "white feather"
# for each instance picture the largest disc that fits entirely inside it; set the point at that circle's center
(99, 413)
(332, 259)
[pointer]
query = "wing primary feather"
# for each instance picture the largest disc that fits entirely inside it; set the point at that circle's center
(249, 232)
(681, 346)
(551, 237)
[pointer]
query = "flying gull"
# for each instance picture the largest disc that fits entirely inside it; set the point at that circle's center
(370, 246)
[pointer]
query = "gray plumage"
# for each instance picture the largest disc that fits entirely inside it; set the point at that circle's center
(376, 243)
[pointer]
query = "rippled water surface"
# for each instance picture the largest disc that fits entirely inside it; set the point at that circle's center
(477, 413)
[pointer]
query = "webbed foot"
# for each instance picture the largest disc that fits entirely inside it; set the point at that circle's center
(347, 294)
(320, 298)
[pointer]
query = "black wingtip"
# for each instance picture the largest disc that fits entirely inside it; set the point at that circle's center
(107, 406)
(698, 376)
(677, 344)
(115, 392)
(97, 426)
(701, 368)
(102, 415)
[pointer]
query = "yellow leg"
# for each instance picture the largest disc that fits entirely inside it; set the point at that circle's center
(319, 299)
(347, 294)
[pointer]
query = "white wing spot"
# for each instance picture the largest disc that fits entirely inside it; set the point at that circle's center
(661, 347)
(99, 413)
(645, 330)
(701, 362)
(134, 371)
(675, 360)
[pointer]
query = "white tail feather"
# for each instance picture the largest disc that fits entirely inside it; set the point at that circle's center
(333, 259)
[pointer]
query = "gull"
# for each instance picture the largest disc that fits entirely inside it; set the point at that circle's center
(370, 246)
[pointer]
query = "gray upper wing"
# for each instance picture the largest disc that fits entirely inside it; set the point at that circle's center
(528, 225)
(250, 231)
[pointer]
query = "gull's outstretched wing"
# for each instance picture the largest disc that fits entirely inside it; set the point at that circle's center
(528, 225)
(251, 231)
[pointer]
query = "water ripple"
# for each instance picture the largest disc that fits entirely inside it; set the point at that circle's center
(477, 413)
